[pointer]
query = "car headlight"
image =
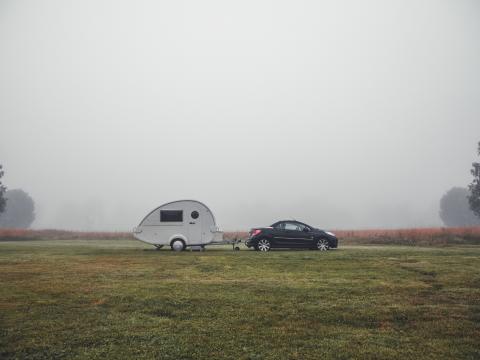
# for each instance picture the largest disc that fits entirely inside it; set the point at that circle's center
(330, 233)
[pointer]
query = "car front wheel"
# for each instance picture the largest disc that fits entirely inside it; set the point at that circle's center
(322, 245)
(263, 245)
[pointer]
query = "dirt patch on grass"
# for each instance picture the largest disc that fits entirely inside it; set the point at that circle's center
(98, 302)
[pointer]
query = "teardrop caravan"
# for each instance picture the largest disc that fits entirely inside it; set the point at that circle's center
(179, 224)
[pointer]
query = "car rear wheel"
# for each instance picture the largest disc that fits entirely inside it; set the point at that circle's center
(177, 245)
(322, 245)
(263, 245)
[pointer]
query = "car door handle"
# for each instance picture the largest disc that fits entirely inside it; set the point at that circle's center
(192, 222)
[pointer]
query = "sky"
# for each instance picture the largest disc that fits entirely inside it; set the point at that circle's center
(342, 114)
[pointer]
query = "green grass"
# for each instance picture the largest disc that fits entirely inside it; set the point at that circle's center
(120, 299)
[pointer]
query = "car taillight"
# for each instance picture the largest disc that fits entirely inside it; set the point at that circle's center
(256, 232)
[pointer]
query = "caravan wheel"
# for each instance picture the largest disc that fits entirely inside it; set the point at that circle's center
(177, 245)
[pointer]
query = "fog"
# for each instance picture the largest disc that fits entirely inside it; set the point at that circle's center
(343, 114)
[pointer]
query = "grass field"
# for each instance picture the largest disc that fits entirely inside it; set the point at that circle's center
(121, 299)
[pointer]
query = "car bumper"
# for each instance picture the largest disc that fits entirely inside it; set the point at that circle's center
(249, 243)
(333, 242)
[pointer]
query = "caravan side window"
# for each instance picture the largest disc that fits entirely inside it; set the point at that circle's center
(171, 215)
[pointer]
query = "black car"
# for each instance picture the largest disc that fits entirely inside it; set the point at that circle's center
(290, 234)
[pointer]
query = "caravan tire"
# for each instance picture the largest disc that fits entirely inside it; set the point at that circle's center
(177, 245)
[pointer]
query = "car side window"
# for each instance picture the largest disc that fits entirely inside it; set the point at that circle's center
(303, 227)
(280, 226)
(291, 226)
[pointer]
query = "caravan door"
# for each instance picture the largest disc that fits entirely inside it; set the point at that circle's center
(194, 221)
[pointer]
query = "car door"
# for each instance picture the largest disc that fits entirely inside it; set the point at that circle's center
(293, 236)
(305, 236)
(278, 235)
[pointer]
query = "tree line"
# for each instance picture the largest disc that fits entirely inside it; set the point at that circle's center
(460, 206)
(17, 208)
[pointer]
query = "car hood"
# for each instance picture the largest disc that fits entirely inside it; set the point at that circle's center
(328, 233)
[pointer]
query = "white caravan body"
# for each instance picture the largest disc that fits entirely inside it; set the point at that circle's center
(188, 220)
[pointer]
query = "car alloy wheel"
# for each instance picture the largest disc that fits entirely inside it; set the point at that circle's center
(322, 244)
(263, 245)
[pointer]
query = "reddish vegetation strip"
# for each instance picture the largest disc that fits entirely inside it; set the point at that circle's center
(419, 236)
(418, 232)
(50, 234)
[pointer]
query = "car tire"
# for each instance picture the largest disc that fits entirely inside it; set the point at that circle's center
(322, 244)
(177, 245)
(263, 245)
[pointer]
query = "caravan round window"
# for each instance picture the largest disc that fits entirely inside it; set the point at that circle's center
(194, 214)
